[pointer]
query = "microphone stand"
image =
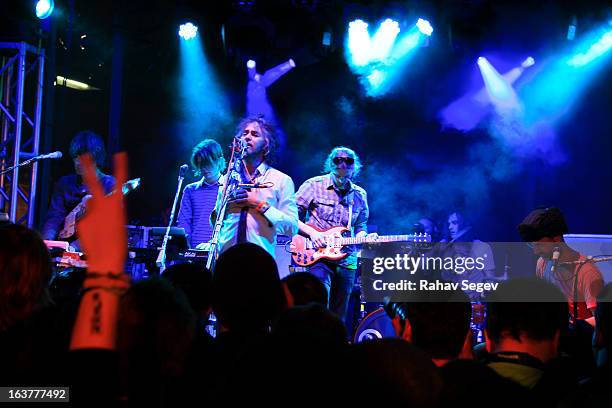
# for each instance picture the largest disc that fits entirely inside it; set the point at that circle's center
(161, 257)
(232, 182)
(25, 163)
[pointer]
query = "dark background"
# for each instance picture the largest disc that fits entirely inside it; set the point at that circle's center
(413, 166)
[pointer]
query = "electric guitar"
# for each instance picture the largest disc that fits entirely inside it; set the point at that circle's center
(78, 212)
(304, 252)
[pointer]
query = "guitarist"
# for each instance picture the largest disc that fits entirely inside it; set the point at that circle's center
(70, 190)
(333, 200)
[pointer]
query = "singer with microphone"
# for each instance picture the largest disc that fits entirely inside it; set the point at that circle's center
(70, 190)
(258, 214)
(199, 198)
(580, 282)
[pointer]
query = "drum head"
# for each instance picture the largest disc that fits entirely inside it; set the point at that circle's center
(376, 325)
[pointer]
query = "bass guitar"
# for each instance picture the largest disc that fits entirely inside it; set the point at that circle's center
(304, 252)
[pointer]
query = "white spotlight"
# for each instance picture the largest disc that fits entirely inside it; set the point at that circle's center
(424, 27)
(188, 31)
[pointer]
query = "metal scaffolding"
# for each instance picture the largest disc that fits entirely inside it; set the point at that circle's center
(21, 89)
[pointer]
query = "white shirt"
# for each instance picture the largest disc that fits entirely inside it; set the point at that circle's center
(280, 218)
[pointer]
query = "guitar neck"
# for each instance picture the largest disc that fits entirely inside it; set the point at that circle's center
(380, 238)
(77, 212)
(126, 188)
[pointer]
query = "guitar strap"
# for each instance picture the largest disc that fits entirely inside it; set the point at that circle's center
(350, 214)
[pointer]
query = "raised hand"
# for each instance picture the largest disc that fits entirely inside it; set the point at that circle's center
(102, 230)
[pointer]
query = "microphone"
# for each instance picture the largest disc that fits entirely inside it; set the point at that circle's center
(266, 184)
(555, 258)
(239, 144)
(54, 155)
(183, 170)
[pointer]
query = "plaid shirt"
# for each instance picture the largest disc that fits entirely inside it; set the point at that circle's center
(322, 205)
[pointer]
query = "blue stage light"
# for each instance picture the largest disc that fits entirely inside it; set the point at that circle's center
(44, 8)
(554, 92)
(529, 61)
(376, 79)
(571, 29)
(597, 49)
(497, 87)
(380, 60)
(359, 43)
(327, 39)
(200, 99)
(187, 31)
(424, 27)
(383, 40)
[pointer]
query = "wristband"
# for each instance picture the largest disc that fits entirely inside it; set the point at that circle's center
(107, 280)
(119, 276)
(116, 290)
(262, 207)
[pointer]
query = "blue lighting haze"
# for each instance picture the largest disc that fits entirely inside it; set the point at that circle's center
(202, 103)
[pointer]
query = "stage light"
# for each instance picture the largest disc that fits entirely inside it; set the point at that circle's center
(359, 43)
(571, 29)
(424, 27)
(200, 99)
(327, 37)
(376, 79)
(528, 62)
(383, 39)
(407, 44)
(514, 74)
(44, 8)
(257, 102)
(467, 112)
(71, 83)
(188, 31)
(559, 86)
(380, 60)
(597, 49)
(498, 88)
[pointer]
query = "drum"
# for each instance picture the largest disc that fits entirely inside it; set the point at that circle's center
(376, 325)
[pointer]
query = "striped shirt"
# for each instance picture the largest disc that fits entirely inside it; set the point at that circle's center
(197, 204)
(323, 206)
